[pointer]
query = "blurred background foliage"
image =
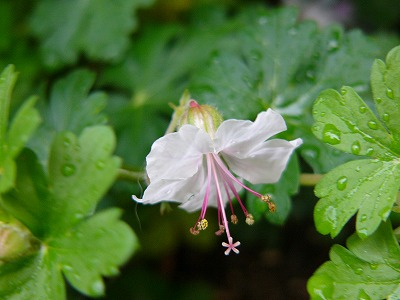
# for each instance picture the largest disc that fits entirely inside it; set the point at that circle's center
(122, 63)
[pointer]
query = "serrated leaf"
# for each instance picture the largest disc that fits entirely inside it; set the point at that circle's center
(109, 242)
(98, 28)
(57, 207)
(386, 90)
(79, 173)
(72, 108)
(369, 269)
(345, 121)
(178, 50)
(367, 186)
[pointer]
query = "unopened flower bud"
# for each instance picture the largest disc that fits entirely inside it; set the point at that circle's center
(15, 241)
(202, 116)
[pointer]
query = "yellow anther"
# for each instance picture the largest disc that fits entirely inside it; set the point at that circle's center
(234, 219)
(271, 205)
(266, 198)
(249, 219)
(202, 225)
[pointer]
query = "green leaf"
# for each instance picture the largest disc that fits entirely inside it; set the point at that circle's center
(24, 123)
(32, 277)
(345, 121)
(109, 242)
(386, 90)
(368, 269)
(58, 207)
(98, 28)
(72, 108)
(80, 171)
(367, 186)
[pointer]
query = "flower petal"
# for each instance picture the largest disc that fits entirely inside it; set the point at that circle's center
(178, 155)
(238, 136)
(263, 164)
(174, 190)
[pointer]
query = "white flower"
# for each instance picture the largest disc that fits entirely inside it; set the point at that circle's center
(195, 168)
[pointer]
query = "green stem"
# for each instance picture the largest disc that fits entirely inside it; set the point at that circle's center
(133, 176)
(310, 179)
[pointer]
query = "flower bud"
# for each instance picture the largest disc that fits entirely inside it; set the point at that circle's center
(15, 241)
(202, 116)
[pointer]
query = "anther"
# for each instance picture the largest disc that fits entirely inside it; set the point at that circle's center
(194, 231)
(271, 205)
(221, 230)
(249, 219)
(202, 225)
(234, 219)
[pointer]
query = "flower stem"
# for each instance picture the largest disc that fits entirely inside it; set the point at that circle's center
(310, 179)
(134, 176)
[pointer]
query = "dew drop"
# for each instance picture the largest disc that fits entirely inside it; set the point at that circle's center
(331, 134)
(341, 183)
(331, 216)
(385, 117)
(68, 170)
(97, 287)
(322, 114)
(363, 109)
(356, 148)
(389, 93)
(378, 100)
(363, 218)
(343, 91)
(370, 151)
(358, 271)
(372, 125)
(358, 169)
(100, 164)
(373, 266)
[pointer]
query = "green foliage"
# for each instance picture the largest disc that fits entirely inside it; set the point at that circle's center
(368, 269)
(55, 206)
(97, 28)
(13, 137)
(345, 121)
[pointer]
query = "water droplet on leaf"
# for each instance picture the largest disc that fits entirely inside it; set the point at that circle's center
(100, 164)
(372, 125)
(97, 287)
(373, 266)
(331, 134)
(378, 100)
(385, 117)
(358, 271)
(343, 91)
(363, 109)
(389, 93)
(363, 295)
(341, 183)
(356, 148)
(363, 218)
(370, 151)
(68, 170)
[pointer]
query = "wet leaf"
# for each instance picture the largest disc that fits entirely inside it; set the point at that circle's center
(368, 269)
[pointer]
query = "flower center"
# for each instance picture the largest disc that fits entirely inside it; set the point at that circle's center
(226, 186)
